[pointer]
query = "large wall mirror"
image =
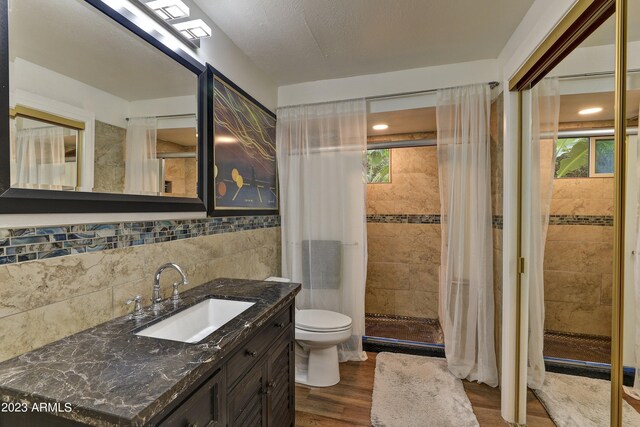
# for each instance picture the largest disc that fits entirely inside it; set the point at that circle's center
(97, 116)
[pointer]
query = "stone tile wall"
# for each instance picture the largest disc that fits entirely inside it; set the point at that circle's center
(579, 257)
(404, 237)
(44, 300)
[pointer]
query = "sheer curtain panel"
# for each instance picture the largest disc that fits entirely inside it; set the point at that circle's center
(541, 153)
(141, 167)
(466, 272)
(321, 162)
(39, 158)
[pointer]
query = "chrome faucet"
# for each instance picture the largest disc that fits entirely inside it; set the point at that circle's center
(157, 299)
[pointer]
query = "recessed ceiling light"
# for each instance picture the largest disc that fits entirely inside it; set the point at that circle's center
(195, 29)
(380, 126)
(169, 9)
(592, 110)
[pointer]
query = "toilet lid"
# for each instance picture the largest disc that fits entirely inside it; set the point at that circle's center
(322, 321)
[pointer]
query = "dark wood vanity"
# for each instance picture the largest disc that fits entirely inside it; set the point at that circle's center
(242, 374)
(255, 387)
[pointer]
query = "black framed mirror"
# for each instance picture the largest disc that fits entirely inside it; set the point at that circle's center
(101, 116)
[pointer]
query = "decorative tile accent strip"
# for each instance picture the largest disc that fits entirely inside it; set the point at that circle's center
(404, 219)
(497, 222)
(26, 244)
(602, 220)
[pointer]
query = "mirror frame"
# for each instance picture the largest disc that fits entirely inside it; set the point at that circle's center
(23, 201)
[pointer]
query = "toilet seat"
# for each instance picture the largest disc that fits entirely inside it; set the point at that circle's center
(322, 321)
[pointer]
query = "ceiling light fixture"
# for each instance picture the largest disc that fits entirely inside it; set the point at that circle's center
(225, 140)
(592, 110)
(169, 9)
(193, 30)
(380, 126)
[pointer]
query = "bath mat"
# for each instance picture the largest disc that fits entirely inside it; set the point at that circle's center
(573, 401)
(418, 391)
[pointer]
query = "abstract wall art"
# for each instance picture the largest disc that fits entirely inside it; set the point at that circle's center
(244, 152)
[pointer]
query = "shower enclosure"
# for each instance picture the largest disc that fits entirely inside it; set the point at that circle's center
(404, 230)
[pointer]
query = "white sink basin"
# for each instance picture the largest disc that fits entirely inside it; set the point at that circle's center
(195, 323)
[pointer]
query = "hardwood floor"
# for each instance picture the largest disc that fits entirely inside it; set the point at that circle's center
(349, 402)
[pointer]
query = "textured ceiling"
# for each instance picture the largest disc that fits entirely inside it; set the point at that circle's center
(305, 40)
(75, 39)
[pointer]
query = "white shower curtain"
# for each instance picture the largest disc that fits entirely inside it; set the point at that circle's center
(141, 163)
(466, 271)
(39, 158)
(541, 152)
(321, 150)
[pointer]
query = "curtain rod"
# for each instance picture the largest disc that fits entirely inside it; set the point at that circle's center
(594, 74)
(167, 116)
(390, 96)
(402, 144)
(419, 92)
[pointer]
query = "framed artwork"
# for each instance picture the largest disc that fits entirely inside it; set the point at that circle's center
(242, 174)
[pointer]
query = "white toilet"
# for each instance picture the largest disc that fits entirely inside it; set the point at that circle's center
(318, 333)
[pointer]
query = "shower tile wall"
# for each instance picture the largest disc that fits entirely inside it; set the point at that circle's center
(579, 257)
(109, 158)
(110, 155)
(404, 245)
(497, 171)
(404, 258)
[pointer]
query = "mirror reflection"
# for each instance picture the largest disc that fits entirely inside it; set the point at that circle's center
(569, 247)
(95, 108)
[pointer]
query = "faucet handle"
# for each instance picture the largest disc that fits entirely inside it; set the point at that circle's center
(175, 295)
(137, 308)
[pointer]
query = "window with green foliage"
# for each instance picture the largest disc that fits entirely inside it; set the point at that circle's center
(602, 161)
(379, 166)
(572, 158)
(584, 157)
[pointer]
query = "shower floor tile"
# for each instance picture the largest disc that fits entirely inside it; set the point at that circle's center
(577, 347)
(403, 328)
(556, 344)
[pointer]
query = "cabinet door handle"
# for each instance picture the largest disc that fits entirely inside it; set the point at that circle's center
(271, 384)
(280, 325)
(252, 353)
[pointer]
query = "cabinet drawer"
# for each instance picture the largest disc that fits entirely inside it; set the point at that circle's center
(257, 346)
(205, 407)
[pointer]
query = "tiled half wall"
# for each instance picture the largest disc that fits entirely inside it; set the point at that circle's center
(48, 298)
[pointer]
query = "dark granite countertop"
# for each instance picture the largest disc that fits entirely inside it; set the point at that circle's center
(112, 377)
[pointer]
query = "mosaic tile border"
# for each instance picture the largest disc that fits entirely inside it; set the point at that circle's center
(27, 244)
(497, 221)
(404, 219)
(602, 220)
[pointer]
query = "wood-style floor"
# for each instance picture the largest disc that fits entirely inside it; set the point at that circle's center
(349, 402)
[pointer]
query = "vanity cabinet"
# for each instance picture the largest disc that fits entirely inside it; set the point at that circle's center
(202, 408)
(255, 387)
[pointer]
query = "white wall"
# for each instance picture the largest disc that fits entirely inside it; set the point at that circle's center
(417, 79)
(46, 83)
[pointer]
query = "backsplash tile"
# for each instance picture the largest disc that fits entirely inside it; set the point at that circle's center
(27, 244)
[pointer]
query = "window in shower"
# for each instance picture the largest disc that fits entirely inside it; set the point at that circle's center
(379, 166)
(584, 157)
(572, 158)
(601, 159)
